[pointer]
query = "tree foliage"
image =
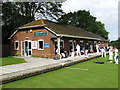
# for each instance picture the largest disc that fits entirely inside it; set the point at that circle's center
(15, 14)
(84, 20)
(115, 43)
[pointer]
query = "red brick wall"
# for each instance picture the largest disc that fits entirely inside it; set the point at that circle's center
(21, 36)
(104, 44)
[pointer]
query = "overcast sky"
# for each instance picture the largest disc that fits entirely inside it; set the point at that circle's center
(106, 11)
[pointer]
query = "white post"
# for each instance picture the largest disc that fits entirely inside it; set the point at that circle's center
(58, 42)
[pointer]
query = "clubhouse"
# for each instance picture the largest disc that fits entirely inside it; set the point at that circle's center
(43, 37)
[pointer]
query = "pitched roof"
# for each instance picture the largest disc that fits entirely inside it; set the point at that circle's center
(63, 29)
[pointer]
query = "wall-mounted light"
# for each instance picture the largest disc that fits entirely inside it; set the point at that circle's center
(27, 37)
(30, 30)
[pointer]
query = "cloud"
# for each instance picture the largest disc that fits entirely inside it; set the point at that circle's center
(105, 11)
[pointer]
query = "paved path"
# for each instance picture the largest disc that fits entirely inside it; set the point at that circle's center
(34, 62)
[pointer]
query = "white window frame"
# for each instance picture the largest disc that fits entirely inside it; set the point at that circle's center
(75, 43)
(81, 41)
(60, 41)
(72, 42)
(38, 44)
(99, 43)
(15, 46)
(102, 43)
(95, 42)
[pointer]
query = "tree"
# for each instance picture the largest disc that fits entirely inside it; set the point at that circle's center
(16, 14)
(115, 43)
(84, 20)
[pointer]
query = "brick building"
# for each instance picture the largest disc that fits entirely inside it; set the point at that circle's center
(42, 37)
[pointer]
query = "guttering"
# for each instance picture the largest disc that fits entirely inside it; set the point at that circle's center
(63, 35)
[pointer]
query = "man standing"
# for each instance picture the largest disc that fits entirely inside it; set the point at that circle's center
(116, 55)
(78, 50)
(111, 53)
(103, 51)
(97, 48)
(86, 49)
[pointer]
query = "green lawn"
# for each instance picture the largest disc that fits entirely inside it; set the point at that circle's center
(10, 60)
(97, 76)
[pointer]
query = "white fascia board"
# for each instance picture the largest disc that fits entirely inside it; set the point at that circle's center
(31, 26)
(79, 37)
(52, 31)
(24, 28)
(13, 34)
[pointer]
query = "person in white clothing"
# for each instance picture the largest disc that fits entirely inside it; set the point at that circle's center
(116, 55)
(72, 53)
(103, 51)
(97, 49)
(111, 53)
(78, 50)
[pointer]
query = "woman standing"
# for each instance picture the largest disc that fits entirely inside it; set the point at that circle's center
(111, 53)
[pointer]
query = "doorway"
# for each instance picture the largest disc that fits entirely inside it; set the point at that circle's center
(26, 49)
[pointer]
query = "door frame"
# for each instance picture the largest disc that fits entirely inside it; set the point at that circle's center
(23, 53)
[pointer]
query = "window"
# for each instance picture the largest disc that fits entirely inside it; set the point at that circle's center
(74, 45)
(81, 45)
(40, 45)
(71, 44)
(102, 43)
(95, 42)
(16, 45)
(99, 43)
(61, 43)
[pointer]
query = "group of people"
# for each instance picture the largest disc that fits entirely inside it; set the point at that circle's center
(88, 49)
(111, 55)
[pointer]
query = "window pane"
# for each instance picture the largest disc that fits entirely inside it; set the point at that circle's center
(16, 45)
(40, 44)
(61, 43)
(29, 45)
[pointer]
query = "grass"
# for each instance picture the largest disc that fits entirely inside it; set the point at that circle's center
(97, 76)
(10, 60)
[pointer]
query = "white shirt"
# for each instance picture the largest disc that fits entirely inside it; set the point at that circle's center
(97, 46)
(78, 48)
(102, 50)
(111, 52)
(116, 52)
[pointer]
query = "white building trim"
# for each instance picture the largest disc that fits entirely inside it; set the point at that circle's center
(13, 34)
(79, 37)
(43, 44)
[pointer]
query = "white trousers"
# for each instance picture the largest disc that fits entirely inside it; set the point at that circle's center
(110, 57)
(78, 53)
(86, 52)
(72, 54)
(98, 52)
(103, 54)
(116, 60)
